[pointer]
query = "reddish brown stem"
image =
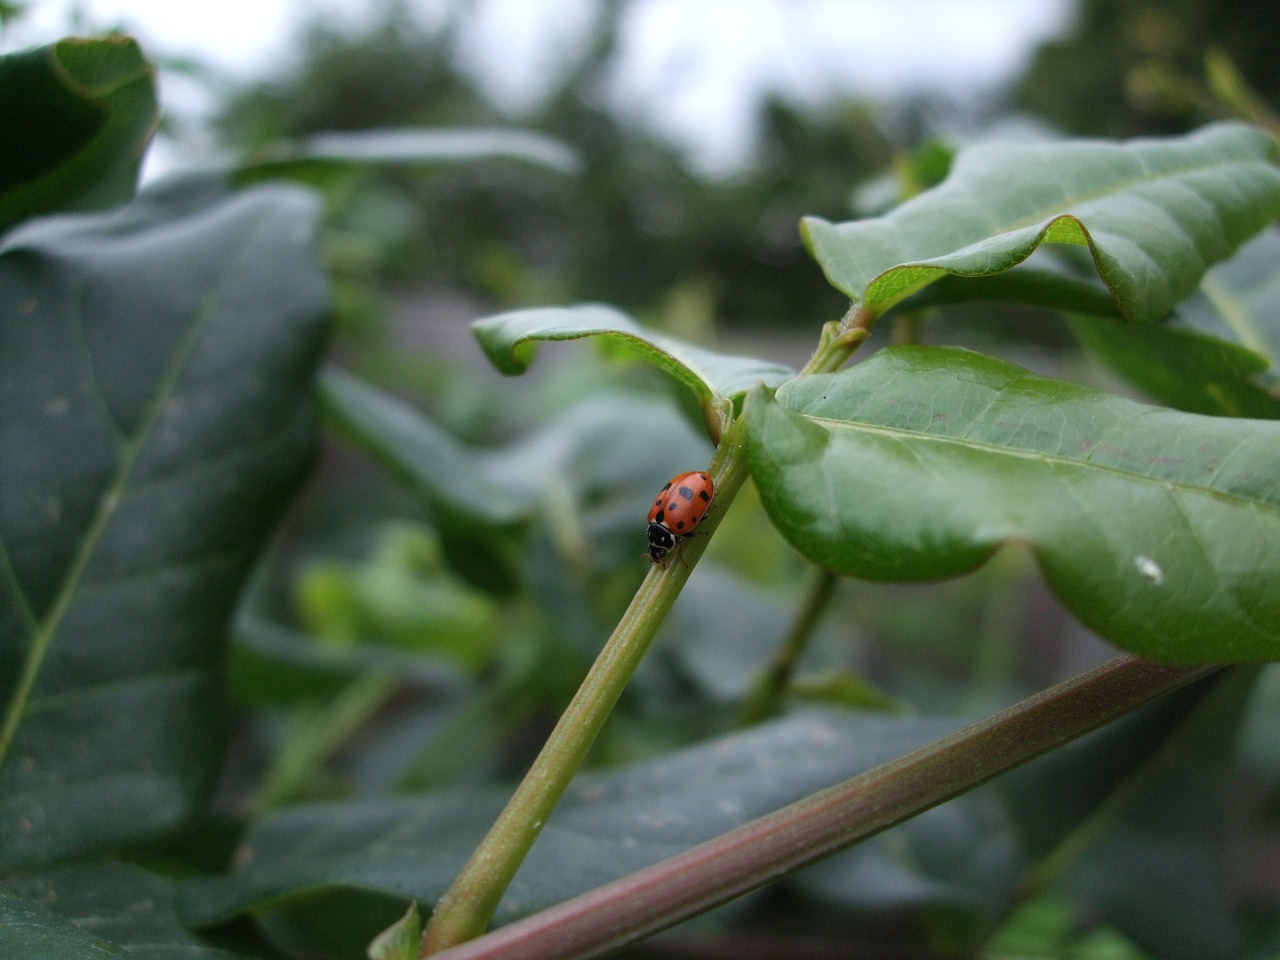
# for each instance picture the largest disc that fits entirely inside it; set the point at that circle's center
(758, 852)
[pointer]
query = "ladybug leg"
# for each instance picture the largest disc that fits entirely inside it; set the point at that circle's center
(680, 550)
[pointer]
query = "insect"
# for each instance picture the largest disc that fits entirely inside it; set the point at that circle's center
(680, 507)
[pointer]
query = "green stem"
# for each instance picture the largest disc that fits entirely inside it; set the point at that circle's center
(465, 910)
(314, 734)
(765, 696)
(756, 853)
(467, 907)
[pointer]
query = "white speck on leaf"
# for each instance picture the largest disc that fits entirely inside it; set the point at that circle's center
(1149, 569)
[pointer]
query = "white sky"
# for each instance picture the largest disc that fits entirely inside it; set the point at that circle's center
(694, 67)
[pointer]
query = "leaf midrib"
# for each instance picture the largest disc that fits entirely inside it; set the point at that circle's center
(132, 448)
(903, 433)
(1124, 186)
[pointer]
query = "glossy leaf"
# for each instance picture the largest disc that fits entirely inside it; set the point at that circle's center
(94, 912)
(1154, 215)
(608, 824)
(75, 118)
(1157, 529)
(156, 368)
(511, 339)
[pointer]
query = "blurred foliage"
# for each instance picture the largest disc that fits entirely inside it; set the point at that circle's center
(1133, 67)
(400, 667)
(634, 225)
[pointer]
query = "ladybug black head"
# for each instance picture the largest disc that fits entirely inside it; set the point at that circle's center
(661, 542)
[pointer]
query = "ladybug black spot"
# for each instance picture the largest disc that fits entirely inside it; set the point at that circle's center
(703, 495)
(686, 493)
(659, 517)
(680, 525)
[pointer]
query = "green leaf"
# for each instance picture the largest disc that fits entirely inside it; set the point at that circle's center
(75, 118)
(608, 825)
(156, 369)
(96, 911)
(271, 664)
(1154, 214)
(511, 339)
(1219, 351)
(425, 147)
(1181, 367)
(957, 867)
(1157, 529)
(1133, 821)
(416, 451)
(1239, 301)
(33, 931)
(400, 940)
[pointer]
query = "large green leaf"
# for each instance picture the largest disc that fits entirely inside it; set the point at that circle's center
(94, 912)
(511, 339)
(609, 824)
(155, 417)
(75, 118)
(1154, 215)
(1160, 530)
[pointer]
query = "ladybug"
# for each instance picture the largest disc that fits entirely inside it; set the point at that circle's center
(680, 507)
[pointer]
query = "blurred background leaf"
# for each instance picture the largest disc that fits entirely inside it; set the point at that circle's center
(158, 418)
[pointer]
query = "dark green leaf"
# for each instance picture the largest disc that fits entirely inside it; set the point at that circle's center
(609, 824)
(958, 865)
(273, 664)
(1157, 529)
(1220, 350)
(1239, 301)
(1154, 214)
(33, 931)
(1182, 367)
(105, 910)
(1133, 820)
(75, 118)
(439, 468)
(511, 339)
(156, 368)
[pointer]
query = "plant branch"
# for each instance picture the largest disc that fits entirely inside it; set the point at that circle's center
(828, 821)
(467, 907)
(764, 699)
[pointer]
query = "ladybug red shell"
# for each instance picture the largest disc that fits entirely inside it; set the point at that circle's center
(679, 507)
